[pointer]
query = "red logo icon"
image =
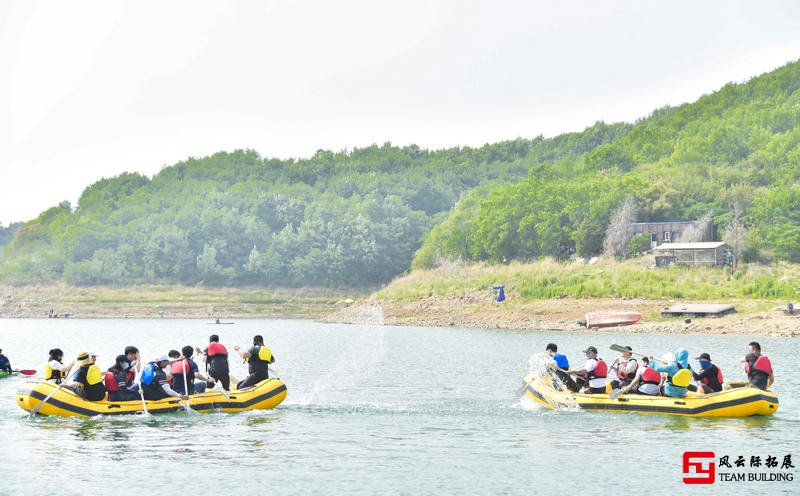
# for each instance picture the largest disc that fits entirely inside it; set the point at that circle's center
(699, 466)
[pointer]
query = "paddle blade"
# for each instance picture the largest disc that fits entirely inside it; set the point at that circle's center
(27, 372)
(620, 348)
(615, 393)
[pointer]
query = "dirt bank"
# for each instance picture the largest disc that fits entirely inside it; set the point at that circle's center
(560, 314)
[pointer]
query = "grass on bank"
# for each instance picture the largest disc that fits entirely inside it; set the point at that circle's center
(633, 278)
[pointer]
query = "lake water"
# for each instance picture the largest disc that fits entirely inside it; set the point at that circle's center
(380, 410)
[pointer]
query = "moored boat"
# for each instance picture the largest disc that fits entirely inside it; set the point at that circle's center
(735, 402)
(612, 318)
(265, 395)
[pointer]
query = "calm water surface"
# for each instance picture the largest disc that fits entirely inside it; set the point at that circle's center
(379, 410)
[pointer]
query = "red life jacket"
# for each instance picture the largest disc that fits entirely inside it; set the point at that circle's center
(720, 379)
(621, 375)
(762, 364)
(650, 376)
(216, 349)
(112, 386)
(180, 367)
(600, 370)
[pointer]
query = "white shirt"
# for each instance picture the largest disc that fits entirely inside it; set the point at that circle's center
(597, 382)
(651, 389)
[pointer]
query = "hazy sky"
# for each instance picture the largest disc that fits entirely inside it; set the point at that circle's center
(93, 88)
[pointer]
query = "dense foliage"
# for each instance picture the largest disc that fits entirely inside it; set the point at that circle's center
(335, 219)
(734, 153)
(358, 217)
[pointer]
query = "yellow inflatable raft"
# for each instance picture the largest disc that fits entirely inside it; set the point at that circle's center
(737, 402)
(265, 395)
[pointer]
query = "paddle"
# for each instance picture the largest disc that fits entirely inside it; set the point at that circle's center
(138, 377)
(623, 349)
(26, 371)
(37, 407)
(186, 370)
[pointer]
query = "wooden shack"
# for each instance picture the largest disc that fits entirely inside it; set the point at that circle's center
(709, 253)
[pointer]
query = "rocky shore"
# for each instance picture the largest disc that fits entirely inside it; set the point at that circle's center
(560, 314)
(564, 314)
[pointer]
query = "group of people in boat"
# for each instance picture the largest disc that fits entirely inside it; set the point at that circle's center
(652, 376)
(175, 374)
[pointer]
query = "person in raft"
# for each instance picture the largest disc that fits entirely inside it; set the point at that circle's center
(5, 364)
(217, 361)
(188, 367)
(710, 376)
(679, 375)
(562, 365)
(117, 378)
(88, 381)
(258, 358)
(594, 371)
(758, 367)
(625, 366)
(154, 381)
(647, 381)
(54, 369)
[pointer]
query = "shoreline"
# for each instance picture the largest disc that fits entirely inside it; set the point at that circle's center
(561, 314)
(476, 311)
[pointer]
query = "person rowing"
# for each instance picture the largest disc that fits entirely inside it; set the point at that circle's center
(154, 381)
(679, 375)
(594, 370)
(117, 381)
(88, 380)
(188, 367)
(217, 366)
(54, 370)
(626, 367)
(562, 365)
(646, 381)
(710, 376)
(258, 358)
(5, 363)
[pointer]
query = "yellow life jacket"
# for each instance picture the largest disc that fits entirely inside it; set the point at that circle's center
(682, 378)
(94, 375)
(264, 354)
(51, 374)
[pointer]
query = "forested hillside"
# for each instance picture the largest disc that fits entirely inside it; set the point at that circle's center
(336, 219)
(734, 154)
(358, 217)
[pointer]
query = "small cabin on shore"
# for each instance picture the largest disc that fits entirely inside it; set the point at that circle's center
(710, 253)
(668, 232)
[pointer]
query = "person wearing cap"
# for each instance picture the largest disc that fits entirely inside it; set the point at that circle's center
(594, 371)
(646, 381)
(88, 381)
(155, 385)
(258, 358)
(710, 376)
(116, 381)
(625, 366)
(5, 364)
